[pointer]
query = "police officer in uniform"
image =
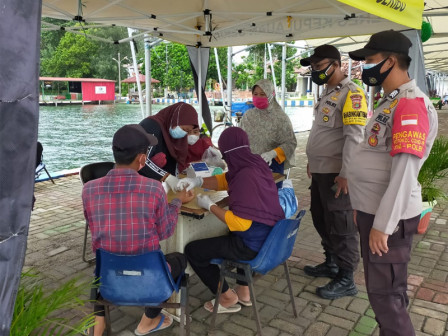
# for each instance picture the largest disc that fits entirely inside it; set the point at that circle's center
(340, 116)
(383, 175)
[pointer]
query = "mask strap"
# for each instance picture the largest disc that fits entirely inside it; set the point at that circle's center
(235, 148)
(328, 68)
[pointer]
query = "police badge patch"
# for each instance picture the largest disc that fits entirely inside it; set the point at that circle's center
(373, 140)
(356, 101)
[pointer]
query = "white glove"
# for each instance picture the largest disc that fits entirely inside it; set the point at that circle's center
(215, 152)
(269, 156)
(204, 201)
(189, 183)
(172, 182)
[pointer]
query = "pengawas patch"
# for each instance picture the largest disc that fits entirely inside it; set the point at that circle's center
(354, 111)
(410, 127)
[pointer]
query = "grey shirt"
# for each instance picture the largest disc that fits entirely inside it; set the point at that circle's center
(339, 119)
(380, 184)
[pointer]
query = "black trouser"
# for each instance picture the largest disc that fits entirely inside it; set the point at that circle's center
(333, 220)
(386, 276)
(178, 264)
(200, 252)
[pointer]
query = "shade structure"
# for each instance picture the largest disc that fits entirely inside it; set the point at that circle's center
(217, 23)
(141, 79)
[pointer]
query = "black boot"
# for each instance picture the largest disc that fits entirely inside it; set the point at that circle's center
(327, 269)
(342, 285)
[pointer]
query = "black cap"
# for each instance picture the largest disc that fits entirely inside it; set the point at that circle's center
(385, 41)
(131, 137)
(320, 53)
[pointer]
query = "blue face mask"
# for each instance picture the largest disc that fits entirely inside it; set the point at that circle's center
(177, 133)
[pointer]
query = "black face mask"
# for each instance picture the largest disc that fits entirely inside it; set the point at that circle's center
(373, 77)
(320, 77)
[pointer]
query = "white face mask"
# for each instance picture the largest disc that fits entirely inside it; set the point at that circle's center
(192, 139)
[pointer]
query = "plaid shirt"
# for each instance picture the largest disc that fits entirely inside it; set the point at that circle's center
(128, 213)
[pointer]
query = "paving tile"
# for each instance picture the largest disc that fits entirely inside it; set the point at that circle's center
(434, 327)
(336, 321)
(317, 329)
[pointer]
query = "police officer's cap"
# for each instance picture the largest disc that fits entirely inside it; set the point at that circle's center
(320, 53)
(385, 41)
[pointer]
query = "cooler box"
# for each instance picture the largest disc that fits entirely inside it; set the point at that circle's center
(241, 107)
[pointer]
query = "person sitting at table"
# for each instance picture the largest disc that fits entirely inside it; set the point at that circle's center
(200, 148)
(146, 211)
(170, 126)
(254, 208)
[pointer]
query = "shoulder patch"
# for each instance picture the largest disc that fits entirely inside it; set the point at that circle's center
(354, 111)
(410, 127)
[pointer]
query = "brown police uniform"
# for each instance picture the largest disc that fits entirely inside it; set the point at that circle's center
(340, 116)
(387, 196)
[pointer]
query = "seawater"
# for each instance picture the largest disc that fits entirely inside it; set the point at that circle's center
(75, 135)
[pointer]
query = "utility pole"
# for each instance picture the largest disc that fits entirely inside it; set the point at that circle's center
(119, 73)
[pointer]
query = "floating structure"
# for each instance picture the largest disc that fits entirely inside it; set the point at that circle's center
(78, 90)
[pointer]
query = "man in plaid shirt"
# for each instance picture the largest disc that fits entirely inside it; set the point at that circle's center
(128, 213)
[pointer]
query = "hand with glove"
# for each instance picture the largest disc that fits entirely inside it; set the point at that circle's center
(204, 201)
(172, 182)
(269, 156)
(190, 183)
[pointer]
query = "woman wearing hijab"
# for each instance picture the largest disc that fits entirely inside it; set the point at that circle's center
(254, 209)
(170, 126)
(269, 128)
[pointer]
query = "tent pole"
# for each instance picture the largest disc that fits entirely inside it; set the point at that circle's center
(137, 74)
(283, 75)
(219, 76)
(229, 78)
(199, 92)
(265, 73)
(272, 68)
(350, 64)
(148, 75)
(371, 94)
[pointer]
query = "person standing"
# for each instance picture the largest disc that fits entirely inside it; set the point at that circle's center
(383, 181)
(340, 116)
(269, 128)
(124, 203)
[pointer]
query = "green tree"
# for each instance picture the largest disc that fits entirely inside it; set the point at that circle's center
(72, 57)
(170, 64)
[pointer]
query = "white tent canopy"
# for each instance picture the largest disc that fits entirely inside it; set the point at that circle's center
(217, 23)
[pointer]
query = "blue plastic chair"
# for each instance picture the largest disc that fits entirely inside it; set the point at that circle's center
(275, 251)
(139, 280)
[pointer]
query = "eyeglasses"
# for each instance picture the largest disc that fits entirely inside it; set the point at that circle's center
(320, 66)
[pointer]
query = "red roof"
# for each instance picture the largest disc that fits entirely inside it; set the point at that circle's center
(142, 79)
(69, 79)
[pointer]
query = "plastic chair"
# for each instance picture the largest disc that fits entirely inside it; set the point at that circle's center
(88, 173)
(139, 280)
(40, 165)
(275, 251)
